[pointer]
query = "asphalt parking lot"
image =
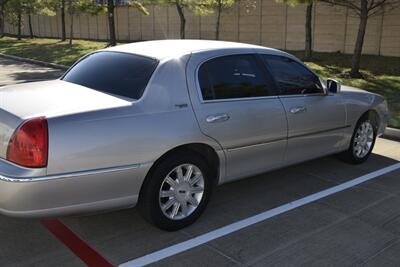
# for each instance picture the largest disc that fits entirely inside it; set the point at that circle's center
(12, 72)
(359, 225)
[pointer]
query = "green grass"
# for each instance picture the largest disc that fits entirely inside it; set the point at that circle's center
(381, 74)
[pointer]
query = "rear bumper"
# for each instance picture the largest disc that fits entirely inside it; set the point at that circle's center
(71, 193)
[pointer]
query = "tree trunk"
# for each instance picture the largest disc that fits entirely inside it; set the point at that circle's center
(2, 20)
(182, 18)
(71, 32)
(63, 31)
(30, 25)
(355, 63)
(111, 22)
(19, 25)
(219, 11)
(308, 48)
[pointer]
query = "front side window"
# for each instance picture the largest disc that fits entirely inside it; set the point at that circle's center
(235, 76)
(115, 73)
(291, 77)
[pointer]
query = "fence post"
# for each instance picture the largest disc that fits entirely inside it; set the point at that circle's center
(97, 27)
(88, 21)
(260, 20)
(38, 22)
(380, 33)
(285, 31)
(345, 30)
(154, 23)
(168, 33)
(314, 24)
(199, 24)
(129, 23)
(238, 20)
(141, 26)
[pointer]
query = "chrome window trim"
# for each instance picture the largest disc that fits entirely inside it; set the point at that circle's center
(238, 99)
(305, 95)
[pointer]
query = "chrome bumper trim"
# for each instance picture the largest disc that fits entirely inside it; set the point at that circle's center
(67, 175)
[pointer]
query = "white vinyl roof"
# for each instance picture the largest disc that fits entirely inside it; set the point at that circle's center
(173, 48)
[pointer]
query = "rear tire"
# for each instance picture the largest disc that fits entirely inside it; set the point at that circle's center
(176, 191)
(362, 141)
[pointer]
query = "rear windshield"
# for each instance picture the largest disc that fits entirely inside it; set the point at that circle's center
(112, 72)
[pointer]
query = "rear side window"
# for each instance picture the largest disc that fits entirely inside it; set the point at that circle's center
(291, 77)
(236, 76)
(115, 73)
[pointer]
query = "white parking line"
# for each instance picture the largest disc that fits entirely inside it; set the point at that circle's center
(199, 240)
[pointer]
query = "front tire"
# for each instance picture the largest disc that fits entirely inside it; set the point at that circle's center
(176, 191)
(362, 141)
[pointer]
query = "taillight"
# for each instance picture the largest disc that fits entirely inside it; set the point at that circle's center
(28, 145)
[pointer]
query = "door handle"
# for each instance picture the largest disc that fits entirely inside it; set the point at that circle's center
(297, 110)
(217, 118)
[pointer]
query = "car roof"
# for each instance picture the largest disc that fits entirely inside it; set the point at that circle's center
(162, 49)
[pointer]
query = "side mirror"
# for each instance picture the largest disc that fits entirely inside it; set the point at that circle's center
(333, 86)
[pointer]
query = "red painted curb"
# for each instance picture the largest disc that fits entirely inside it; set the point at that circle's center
(77, 245)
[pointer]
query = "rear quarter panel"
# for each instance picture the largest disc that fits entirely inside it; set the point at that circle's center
(138, 134)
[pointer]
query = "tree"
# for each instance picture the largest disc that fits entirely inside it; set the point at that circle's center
(180, 5)
(111, 22)
(2, 16)
(220, 5)
(63, 30)
(13, 10)
(58, 6)
(308, 46)
(111, 14)
(308, 25)
(30, 7)
(198, 7)
(74, 7)
(364, 9)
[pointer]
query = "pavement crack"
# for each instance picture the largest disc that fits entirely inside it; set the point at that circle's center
(215, 249)
(390, 244)
(390, 220)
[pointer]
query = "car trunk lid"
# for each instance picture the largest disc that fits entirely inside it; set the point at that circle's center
(47, 99)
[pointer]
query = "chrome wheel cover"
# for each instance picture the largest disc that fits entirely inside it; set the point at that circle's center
(181, 191)
(363, 140)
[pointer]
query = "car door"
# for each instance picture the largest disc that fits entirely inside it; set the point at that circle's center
(316, 120)
(236, 104)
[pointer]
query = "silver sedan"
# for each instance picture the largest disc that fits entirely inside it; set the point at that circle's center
(160, 123)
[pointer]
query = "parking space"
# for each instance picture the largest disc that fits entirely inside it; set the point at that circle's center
(356, 226)
(347, 228)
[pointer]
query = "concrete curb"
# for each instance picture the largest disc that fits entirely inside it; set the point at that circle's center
(392, 133)
(34, 61)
